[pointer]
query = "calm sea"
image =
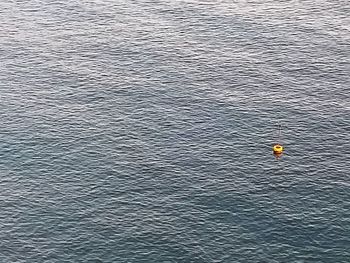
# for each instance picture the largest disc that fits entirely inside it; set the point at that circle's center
(141, 131)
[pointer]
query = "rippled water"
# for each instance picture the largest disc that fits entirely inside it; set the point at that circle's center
(141, 131)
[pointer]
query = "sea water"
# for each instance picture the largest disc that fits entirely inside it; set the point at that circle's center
(142, 131)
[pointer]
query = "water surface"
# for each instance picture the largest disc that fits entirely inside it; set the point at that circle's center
(142, 131)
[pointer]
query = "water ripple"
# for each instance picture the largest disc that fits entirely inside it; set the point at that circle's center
(142, 132)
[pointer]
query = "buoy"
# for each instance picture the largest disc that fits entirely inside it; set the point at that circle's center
(277, 149)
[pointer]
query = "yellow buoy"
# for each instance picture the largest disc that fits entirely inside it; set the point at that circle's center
(277, 148)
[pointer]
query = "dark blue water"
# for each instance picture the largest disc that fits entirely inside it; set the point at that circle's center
(141, 131)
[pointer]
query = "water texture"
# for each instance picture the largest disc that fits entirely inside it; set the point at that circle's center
(141, 131)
